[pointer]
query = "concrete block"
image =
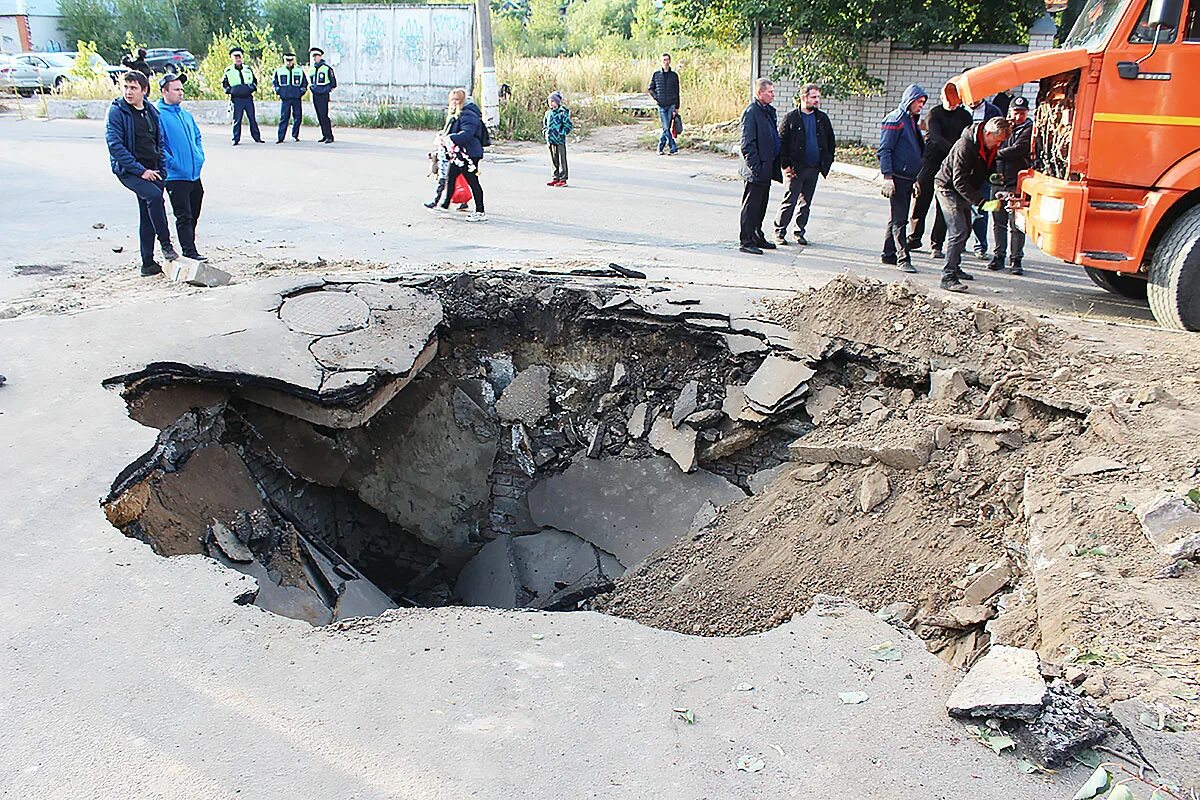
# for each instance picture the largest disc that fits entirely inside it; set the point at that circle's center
(1172, 525)
(198, 273)
(1004, 683)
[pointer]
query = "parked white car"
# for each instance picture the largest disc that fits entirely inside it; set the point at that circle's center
(41, 72)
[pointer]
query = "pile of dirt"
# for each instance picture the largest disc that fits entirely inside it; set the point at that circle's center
(990, 501)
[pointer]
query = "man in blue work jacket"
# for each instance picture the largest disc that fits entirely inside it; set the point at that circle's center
(290, 84)
(322, 81)
(183, 153)
(240, 84)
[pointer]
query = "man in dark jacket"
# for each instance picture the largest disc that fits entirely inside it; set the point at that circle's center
(664, 88)
(946, 122)
(760, 166)
(959, 186)
(901, 153)
(466, 133)
(290, 83)
(1013, 158)
(982, 111)
(321, 81)
(135, 152)
(138, 63)
(240, 83)
(807, 146)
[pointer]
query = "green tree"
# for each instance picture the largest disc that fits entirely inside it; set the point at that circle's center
(289, 21)
(91, 21)
(545, 31)
(647, 22)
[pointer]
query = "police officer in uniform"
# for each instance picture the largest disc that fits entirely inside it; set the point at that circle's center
(322, 81)
(240, 84)
(290, 84)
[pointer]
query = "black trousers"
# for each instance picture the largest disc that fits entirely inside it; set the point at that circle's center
(290, 108)
(920, 211)
(321, 106)
(186, 199)
(558, 159)
(472, 177)
(152, 215)
(797, 199)
(244, 106)
(895, 244)
(755, 198)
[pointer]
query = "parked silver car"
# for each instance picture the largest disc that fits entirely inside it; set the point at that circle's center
(41, 72)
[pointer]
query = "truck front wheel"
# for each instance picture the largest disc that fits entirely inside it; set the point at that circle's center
(1116, 283)
(1174, 287)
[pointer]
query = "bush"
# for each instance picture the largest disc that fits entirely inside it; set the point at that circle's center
(386, 115)
(262, 53)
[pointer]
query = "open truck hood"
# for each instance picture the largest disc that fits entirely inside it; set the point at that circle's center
(1013, 71)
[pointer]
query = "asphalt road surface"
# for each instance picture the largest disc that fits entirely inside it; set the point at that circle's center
(360, 200)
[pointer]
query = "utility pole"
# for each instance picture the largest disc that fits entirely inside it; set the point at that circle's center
(491, 89)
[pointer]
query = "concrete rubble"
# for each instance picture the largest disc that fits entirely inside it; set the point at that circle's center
(1004, 683)
(197, 273)
(1172, 524)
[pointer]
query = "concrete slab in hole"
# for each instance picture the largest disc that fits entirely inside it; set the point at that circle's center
(527, 398)
(776, 381)
(551, 559)
(628, 508)
(490, 578)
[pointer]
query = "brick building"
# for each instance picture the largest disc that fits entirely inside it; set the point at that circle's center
(856, 119)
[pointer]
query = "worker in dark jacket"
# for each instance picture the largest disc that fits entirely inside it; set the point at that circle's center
(945, 124)
(807, 146)
(959, 188)
(290, 83)
(901, 153)
(321, 81)
(664, 88)
(760, 166)
(135, 152)
(138, 63)
(982, 111)
(240, 84)
(1013, 158)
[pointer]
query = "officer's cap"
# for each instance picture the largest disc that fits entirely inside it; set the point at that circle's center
(316, 50)
(235, 50)
(289, 55)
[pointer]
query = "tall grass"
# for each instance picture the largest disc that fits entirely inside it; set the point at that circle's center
(386, 115)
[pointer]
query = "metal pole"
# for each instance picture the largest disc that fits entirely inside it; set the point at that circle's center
(491, 89)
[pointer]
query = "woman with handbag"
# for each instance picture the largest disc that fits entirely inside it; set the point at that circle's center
(468, 136)
(440, 158)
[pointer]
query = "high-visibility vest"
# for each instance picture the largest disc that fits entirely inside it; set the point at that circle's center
(320, 75)
(234, 77)
(294, 76)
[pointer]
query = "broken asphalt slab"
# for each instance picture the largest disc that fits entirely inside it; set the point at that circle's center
(417, 703)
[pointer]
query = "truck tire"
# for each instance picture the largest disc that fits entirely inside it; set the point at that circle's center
(1116, 283)
(1174, 287)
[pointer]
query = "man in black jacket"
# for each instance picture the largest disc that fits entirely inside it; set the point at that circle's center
(1013, 158)
(959, 184)
(945, 124)
(760, 166)
(664, 88)
(807, 145)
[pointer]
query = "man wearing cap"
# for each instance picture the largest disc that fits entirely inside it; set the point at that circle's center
(290, 84)
(240, 84)
(1013, 158)
(322, 81)
(183, 153)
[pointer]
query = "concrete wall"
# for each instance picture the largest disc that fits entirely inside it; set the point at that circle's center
(413, 54)
(856, 119)
(44, 33)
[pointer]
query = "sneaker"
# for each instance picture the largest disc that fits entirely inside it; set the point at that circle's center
(906, 266)
(279, 141)
(953, 285)
(477, 216)
(194, 256)
(964, 276)
(552, 182)
(749, 248)
(153, 268)
(800, 240)
(463, 207)
(937, 252)
(168, 251)
(981, 254)
(781, 239)
(235, 144)
(1015, 269)
(889, 260)
(661, 152)
(996, 264)
(561, 184)
(260, 141)
(328, 141)
(673, 152)
(295, 138)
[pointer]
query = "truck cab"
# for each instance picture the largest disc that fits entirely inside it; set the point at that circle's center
(1115, 185)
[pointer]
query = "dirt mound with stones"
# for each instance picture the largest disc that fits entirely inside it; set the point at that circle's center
(1026, 487)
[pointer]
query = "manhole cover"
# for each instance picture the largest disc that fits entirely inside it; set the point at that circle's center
(325, 313)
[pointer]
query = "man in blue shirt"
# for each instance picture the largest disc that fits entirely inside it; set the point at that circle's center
(807, 146)
(184, 156)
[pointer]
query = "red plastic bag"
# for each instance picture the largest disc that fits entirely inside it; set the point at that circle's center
(462, 191)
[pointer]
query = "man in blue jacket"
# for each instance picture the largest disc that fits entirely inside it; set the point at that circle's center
(901, 153)
(184, 156)
(760, 165)
(321, 81)
(290, 84)
(134, 136)
(240, 83)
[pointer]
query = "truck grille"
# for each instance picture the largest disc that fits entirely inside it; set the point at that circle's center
(1054, 124)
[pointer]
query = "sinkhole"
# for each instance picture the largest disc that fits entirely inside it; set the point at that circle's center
(521, 442)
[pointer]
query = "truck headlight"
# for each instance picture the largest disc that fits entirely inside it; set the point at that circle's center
(1050, 210)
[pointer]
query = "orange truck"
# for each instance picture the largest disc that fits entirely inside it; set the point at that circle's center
(1115, 183)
